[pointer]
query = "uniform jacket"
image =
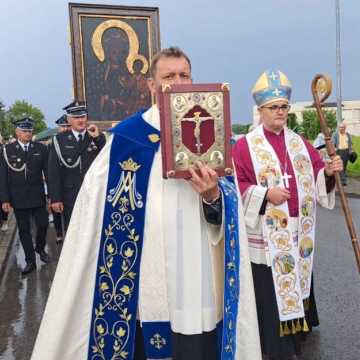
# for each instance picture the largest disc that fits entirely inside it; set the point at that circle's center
(64, 183)
(22, 190)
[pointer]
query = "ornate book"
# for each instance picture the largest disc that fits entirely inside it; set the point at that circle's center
(195, 126)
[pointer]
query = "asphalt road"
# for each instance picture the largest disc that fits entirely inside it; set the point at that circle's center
(337, 289)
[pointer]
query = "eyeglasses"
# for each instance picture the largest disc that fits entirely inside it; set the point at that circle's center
(277, 108)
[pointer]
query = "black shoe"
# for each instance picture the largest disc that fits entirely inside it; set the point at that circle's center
(44, 257)
(30, 267)
(59, 240)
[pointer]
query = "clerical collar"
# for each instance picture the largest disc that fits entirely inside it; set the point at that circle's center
(77, 133)
(23, 145)
(268, 132)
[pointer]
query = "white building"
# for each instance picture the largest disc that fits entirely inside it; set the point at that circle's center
(350, 113)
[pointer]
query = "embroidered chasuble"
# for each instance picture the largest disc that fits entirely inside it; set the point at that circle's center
(139, 248)
(282, 236)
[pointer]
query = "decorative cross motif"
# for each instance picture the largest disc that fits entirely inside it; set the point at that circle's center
(285, 179)
(273, 76)
(276, 92)
(197, 120)
(157, 341)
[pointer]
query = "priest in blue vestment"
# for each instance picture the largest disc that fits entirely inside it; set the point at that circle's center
(151, 268)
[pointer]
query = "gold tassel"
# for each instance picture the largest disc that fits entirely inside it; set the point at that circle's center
(305, 326)
(306, 304)
(286, 329)
(293, 329)
(298, 326)
(281, 330)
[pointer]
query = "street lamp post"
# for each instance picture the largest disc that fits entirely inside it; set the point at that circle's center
(338, 64)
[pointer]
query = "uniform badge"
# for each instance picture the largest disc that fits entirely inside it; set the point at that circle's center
(31, 145)
(68, 160)
(70, 137)
(17, 146)
(89, 149)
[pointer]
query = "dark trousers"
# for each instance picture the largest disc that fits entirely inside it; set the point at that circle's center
(58, 219)
(3, 214)
(184, 347)
(23, 219)
(344, 154)
(67, 215)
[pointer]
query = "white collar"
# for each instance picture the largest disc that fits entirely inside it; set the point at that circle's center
(23, 145)
(77, 133)
(152, 117)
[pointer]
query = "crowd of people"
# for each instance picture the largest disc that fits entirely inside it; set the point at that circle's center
(151, 268)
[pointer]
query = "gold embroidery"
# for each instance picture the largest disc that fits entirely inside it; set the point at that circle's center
(96, 43)
(154, 138)
(116, 292)
(125, 193)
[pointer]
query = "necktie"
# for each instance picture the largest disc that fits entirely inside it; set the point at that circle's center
(80, 138)
(26, 151)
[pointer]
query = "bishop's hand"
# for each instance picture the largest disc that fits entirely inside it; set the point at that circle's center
(334, 165)
(277, 195)
(205, 183)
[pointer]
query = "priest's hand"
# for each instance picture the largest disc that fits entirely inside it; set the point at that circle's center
(277, 195)
(57, 207)
(205, 183)
(334, 165)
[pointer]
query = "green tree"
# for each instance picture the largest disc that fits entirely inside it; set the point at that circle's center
(310, 125)
(240, 128)
(19, 110)
(292, 122)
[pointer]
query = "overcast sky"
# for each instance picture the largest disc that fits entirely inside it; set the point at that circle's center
(229, 40)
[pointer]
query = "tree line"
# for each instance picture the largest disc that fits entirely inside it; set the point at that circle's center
(309, 127)
(20, 109)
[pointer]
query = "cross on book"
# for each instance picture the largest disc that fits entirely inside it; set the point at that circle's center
(285, 179)
(197, 119)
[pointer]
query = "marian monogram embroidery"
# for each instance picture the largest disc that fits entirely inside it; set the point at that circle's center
(125, 192)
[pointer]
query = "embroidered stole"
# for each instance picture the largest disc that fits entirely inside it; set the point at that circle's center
(290, 257)
(115, 304)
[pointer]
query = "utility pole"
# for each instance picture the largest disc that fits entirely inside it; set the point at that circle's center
(338, 64)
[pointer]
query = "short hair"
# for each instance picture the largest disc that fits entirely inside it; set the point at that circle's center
(171, 52)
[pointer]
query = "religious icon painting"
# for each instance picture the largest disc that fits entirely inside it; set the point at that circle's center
(307, 206)
(195, 126)
(281, 240)
(302, 164)
(306, 247)
(284, 263)
(276, 219)
(305, 183)
(112, 47)
(295, 145)
(307, 224)
(269, 177)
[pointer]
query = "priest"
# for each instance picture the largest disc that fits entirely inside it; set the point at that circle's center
(151, 268)
(281, 178)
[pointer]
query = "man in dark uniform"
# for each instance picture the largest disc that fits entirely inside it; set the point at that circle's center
(71, 155)
(62, 126)
(23, 166)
